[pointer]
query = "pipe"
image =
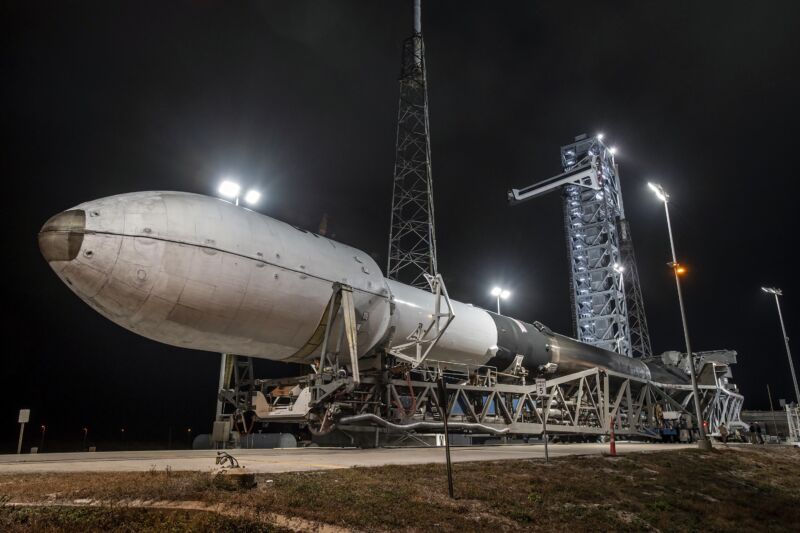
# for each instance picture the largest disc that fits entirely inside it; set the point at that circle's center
(356, 419)
(417, 16)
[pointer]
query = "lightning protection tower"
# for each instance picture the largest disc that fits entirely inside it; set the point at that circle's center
(412, 235)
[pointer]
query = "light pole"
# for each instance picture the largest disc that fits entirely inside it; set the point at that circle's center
(85, 436)
(703, 443)
(498, 293)
(777, 292)
(41, 443)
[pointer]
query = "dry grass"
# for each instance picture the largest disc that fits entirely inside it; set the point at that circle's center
(724, 490)
(121, 519)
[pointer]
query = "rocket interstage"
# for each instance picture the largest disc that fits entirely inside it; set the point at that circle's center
(198, 272)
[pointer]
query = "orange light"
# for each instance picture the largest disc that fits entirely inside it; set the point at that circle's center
(680, 270)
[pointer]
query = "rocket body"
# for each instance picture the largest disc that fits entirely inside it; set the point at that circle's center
(200, 273)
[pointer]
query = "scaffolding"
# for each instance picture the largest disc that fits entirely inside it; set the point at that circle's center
(605, 292)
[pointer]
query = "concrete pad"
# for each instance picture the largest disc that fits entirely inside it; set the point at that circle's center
(298, 459)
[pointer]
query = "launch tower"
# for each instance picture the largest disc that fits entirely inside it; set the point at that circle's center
(606, 295)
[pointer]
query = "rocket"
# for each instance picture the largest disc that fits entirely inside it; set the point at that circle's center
(199, 272)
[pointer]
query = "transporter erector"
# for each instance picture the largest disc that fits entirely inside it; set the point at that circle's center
(199, 272)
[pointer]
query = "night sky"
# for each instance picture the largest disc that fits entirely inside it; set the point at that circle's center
(299, 99)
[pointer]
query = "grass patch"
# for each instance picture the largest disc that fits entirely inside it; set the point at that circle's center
(114, 519)
(728, 489)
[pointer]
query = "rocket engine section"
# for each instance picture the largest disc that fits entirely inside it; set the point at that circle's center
(200, 273)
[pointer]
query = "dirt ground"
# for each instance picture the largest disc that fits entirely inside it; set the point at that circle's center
(731, 488)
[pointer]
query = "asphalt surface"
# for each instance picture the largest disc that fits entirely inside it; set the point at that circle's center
(297, 459)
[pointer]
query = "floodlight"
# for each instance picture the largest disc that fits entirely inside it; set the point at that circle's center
(497, 291)
(772, 290)
(659, 190)
(229, 189)
(505, 294)
(599, 136)
(252, 197)
(612, 150)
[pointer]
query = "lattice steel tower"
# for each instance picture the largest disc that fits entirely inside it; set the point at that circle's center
(637, 321)
(605, 290)
(412, 235)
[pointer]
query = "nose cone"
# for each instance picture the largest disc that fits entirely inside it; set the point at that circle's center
(61, 237)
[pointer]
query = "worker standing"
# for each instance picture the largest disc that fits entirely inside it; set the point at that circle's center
(723, 433)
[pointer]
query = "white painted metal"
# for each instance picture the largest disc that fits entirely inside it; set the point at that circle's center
(424, 338)
(584, 176)
(471, 339)
(201, 273)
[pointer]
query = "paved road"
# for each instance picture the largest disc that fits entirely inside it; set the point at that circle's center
(297, 459)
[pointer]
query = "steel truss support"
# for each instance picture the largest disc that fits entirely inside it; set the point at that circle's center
(593, 243)
(606, 296)
(239, 383)
(637, 320)
(424, 338)
(482, 401)
(412, 234)
(793, 418)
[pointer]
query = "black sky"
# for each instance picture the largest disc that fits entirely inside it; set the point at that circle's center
(300, 99)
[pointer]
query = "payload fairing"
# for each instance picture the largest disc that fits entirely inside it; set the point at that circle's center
(198, 272)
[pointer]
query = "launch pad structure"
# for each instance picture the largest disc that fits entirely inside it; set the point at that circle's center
(394, 395)
(387, 400)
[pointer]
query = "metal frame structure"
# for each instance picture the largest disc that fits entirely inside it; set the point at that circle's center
(424, 338)
(398, 392)
(483, 401)
(412, 234)
(598, 296)
(606, 296)
(637, 319)
(793, 419)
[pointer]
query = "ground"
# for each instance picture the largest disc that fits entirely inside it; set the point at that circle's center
(729, 488)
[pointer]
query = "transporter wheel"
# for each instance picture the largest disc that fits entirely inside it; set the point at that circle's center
(321, 421)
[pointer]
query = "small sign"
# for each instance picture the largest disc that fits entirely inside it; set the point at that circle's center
(541, 387)
(24, 416)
